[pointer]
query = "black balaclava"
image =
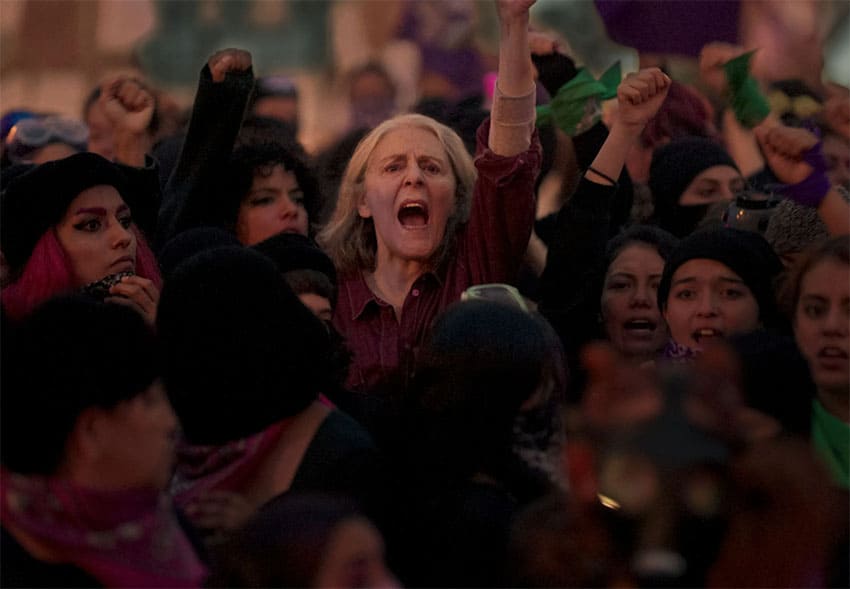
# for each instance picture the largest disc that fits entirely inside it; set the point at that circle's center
(674, 167)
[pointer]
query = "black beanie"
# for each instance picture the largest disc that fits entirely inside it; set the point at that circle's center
(240, 350)
(193, 241)
(36, 200)
(70, 354)
(674, 166)
(746, 253)
(291, 251)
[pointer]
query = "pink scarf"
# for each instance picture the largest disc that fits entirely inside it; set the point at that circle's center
(122, 538)
(228, 467)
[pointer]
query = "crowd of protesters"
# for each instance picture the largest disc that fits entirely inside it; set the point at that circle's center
(230, 362)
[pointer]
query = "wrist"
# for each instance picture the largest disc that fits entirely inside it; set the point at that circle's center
(811, 191)
(514, 25)
(626, 130)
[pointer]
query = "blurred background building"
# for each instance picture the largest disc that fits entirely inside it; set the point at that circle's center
(53, 52)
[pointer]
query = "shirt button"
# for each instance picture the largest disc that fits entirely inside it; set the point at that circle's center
(415, 292)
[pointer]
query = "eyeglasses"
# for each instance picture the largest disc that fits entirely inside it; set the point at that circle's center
(29, 135)
(496, 292)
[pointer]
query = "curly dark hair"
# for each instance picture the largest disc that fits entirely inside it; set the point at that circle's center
(251, 160)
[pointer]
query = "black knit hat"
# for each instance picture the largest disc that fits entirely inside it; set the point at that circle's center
(193, 241)
(240, 350)
(674, 166)
(744, 252)
(37, 199)
(69, 354)
(291, 251)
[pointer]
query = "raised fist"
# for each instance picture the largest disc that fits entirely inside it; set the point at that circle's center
(228, 60)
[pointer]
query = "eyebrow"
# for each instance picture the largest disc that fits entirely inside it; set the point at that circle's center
(690, 279)
(92, 210)
(631, 274)
(100, 211)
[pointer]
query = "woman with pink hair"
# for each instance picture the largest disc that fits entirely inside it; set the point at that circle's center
(71, 225)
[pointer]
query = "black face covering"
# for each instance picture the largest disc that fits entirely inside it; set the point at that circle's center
(679, 220)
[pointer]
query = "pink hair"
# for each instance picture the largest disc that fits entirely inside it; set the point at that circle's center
(48, 273)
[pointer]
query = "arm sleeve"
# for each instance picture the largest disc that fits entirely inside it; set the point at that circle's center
(495, 238)
(569, 286)
(189, 196)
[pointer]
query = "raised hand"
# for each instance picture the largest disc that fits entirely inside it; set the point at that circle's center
(137, 293)
(512, 10)
(785, 148)
(543, 43)
(228, 60)
(128, 104)
(639, 97)
(711, 60)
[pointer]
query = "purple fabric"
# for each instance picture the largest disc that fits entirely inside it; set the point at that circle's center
(673, 26)
(811, 191)
(489, 248)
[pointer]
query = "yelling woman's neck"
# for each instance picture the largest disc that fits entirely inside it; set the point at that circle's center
(392, 280)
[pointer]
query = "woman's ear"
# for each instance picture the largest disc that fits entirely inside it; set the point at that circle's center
(363, 208)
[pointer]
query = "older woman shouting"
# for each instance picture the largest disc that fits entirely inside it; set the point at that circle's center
(417, 221)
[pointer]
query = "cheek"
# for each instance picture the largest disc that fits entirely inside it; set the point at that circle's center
(675, 315)
(744, 315)
(611, 307)
(804, 333)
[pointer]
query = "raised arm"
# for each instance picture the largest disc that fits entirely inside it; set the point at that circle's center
(569, 295)
(223, 92)
(639, 97)
(512, 116)
(794, 156)
(129, 105)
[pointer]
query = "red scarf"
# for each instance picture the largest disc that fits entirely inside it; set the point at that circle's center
(122, 538)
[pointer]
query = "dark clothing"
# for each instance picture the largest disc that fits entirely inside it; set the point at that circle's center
(191, 196)
(571, 281)
(21, 569)
(489, 248)
(342, 458)
(461, 537)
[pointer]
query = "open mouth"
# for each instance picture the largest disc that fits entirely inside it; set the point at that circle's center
(831, 352)
(413, 215)
(706, 333)
(640, 325)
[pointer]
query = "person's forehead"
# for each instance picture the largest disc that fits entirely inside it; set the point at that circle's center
(410, 138)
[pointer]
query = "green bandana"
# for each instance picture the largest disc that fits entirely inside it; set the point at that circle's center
(831, 438)
(749, 104)
(575, 107)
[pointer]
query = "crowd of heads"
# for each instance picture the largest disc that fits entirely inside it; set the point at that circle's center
(208, 366)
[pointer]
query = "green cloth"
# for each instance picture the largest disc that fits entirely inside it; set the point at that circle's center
(747, 101)
(831, 438)
(579, 99)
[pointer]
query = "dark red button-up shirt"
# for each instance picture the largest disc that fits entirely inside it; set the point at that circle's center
(489, 248)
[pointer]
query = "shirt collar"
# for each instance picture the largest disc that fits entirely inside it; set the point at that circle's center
(361, 296)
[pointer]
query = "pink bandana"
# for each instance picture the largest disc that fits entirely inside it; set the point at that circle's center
(228, 467)
(123, 538)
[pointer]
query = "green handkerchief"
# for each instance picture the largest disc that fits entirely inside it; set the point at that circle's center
(747, 101)
(575, 107)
